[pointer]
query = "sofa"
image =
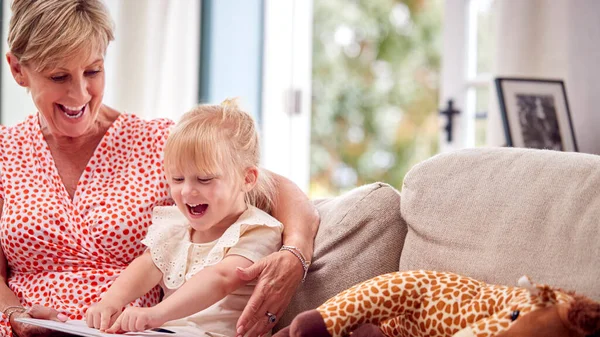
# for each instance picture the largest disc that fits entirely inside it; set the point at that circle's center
(494, 214)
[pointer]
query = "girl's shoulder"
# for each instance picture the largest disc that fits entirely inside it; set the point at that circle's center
(254, 216)
(168, 225)
(252, 221)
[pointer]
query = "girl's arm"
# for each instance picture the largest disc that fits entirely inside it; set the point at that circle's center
(136, 280)
(279, 274)
(204, 289)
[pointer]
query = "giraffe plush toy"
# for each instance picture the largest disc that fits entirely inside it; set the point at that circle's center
(426, 303)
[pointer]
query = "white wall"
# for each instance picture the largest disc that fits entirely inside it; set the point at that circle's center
(558, 39)
(583, 71)
(15, 101)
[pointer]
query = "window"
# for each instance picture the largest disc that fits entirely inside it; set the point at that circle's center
(466, 71)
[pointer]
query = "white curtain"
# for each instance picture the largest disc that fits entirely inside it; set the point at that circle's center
(153, 64)
(557, 39)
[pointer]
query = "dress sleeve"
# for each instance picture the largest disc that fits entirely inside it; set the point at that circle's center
(2, 131)
(5, 328)
(257, 241)
(166, 241)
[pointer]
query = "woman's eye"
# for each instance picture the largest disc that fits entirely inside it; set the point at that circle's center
(60, 78)
(92, 73)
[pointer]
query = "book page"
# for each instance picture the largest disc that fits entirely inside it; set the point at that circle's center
(80, 328)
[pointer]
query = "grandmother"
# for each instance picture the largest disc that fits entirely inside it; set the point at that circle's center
(79, 180)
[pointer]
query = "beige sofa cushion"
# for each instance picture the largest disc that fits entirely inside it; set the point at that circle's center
(360, 236)
(498, 214)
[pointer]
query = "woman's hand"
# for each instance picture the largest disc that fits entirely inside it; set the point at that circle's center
(36, 311)
(102, 315)
(137, 319)
(279, 274)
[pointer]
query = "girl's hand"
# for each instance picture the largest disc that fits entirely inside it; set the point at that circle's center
(137, 319)
(36, 311)
(102, 315)
(279, 274)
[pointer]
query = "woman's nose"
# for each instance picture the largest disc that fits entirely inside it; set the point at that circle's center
(79, 89)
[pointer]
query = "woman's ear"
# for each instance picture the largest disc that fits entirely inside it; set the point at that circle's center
(16, 68)
(250, 179)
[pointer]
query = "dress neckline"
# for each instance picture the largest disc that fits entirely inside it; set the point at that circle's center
(49, 164)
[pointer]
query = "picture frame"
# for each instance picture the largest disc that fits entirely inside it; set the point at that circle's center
(535, 113)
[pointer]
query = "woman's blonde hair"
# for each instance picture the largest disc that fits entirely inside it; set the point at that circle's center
(220, 139)
(44, 32)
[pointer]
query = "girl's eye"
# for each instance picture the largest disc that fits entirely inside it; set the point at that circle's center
(205, 180)
(177, 179)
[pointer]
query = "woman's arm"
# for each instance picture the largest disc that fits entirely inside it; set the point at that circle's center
(279, 274)
(136, 280)
(9, 299)
(297, 214)
(204, 289)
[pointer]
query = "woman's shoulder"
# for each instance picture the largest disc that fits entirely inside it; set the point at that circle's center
(146, 125)
(17, 131)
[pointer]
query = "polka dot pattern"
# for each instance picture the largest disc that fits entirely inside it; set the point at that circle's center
(64, 253)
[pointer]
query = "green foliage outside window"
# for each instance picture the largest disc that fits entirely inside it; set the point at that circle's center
(376, 66)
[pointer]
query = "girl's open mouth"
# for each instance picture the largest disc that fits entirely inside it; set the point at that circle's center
(197, 209)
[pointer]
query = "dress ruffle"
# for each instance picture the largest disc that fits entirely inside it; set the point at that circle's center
(172, 251)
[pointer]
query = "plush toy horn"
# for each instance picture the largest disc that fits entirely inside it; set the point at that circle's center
(525, 282)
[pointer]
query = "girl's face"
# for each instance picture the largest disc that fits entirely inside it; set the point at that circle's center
(69, 96)
(210, 203)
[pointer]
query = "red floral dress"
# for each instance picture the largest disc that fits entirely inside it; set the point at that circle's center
(64, 253)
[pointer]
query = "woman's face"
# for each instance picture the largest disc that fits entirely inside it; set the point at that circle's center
(68, 96)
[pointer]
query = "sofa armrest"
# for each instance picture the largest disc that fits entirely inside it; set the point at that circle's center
(361, 235)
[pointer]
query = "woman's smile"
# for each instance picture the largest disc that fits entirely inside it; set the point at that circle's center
(73, 112)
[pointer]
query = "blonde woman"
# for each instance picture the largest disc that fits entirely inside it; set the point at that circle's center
(79, 180)
(194, 248)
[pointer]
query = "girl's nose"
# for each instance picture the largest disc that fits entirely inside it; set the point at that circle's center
(189, 190)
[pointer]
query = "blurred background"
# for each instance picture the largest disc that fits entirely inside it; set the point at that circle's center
(345, 92)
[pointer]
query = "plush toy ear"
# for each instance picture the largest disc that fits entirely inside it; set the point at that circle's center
(583, 316)
(307, 324)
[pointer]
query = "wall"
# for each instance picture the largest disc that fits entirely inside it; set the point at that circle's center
(552, 39)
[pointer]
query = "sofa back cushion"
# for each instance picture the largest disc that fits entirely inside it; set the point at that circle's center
(497, 214)
(360, 236)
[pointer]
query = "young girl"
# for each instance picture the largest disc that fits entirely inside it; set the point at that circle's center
(211, 163)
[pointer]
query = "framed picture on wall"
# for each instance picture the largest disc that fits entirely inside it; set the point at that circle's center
(535, 113)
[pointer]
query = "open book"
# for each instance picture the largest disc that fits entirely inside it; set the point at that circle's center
(80, 328)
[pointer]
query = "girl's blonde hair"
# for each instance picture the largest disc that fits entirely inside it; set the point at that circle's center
(217, 139)
(45, 32)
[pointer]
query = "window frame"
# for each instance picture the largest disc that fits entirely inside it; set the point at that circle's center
(459, 73)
